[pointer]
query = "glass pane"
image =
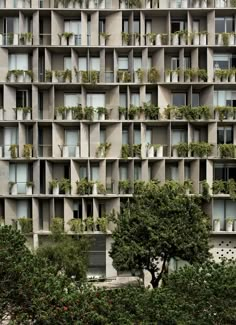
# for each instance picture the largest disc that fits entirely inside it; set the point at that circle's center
(137, 63)
(137, 136)
(22, 208)
(135, 99)
(220, 135)
(219, 25)
(136, 26)
(95, 64)
(229, 25)
(229, 135)
(125, 136)
(137, 172)
(232, 173)
(102, 136)
(230, 209)
(95, 173)
(83, 172)
(71, 99)
(179, 99)
(219, 173)
(123, 172)
(123, 63)
(218, 212)
(195, 99)
(82, 63)
(67, 62)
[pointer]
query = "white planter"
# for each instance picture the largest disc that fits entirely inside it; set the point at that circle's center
(123, 5)
(1, 114)
(14, 189)
(19, 4)
(12, 78)
(29, 190)
(69, 115)
(1, 40)
(67, 192)
(196, 39)
(234, 225)
(72, 40)
(229, 226)
(20, 78)
(184, 4)
(232, 78)
(63, 41)
(28, 116)
(148, 5)
(167, 77)
(187, 79)
(27, 78)
(196, 4)
(77, 151)
(204, 3)
(102, 4)
(203, 39)
(77, 5)
(175, 39)
(219, 40)
(28, 42)
(231, 39)
(183, 40)
(19, 114)
(92, 4)
(174, 152)
(216, 225)
(225, 79)
(65, 151)
(55, 190)
(102, 41)
(60, 5)
(15, 39)
(217, 79)
(122, 117)
(136, 79)
(102, 117)
(173, 4)
(58, 116)
(137, 43)
(174, 76)
(151, 152)
(70, 5)
(160, 152)
(158, 40)
(95, 190)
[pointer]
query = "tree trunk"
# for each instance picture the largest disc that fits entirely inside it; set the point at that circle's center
(157, 278)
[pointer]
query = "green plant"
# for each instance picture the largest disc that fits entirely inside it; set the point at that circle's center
(138, 186)
(201, 149)
(57, 225)
(231, 188)
(105, 35)
(126, 37)
(225, 38)
(26, 225)
(84, 76)
(123, 76)
(102, 223)
(152, 37)
(182, 149)
(205, 190)
(84, 187)
(30, 184)
(140, 74)
(88, 113)
(94, 76)
(102, 110)
(125, 151)
(103, 149)
(233, 3)
(227, 150)
(171, 112)
(67, 75)
(202, 74)
(2, 221)
(218, 187)
(153, 75)
(122, 110)
(188, 184)
(76, 225)
(60, 110)
(137, 150)
(13, 150)
(101, 188)
(225, 111)
(48, 76)
(151, 111)
(27, 151)
(135, 3)
(90, 224)
(77, 112)
(53, 183)
(30, 74)
(65, 185)
(230, 220)
(133, 111)
(125, 186)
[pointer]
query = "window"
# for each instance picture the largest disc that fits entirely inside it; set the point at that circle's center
(222, 61)
(23, 209)
(135, 99)
(72, 26)
(225, 98)
(19, 174)
(18, 62)
(123, 172)
(11, 25)
(174, 63)
(10, 137)
(136, 26)
(137, 63)
(224, 171)
(174, 172)
(83, 171)
(95, 64)
(223, 209)
(224, 134)
(137, 136)
(125, 26)
(187, 62)
(103, 135)
(123, 63)
(95, 173)
(137, 172)
(224, 24)
(123, 100)
(96, 100)
(71, 99)
(82, 63)
(71, 140)
(178, 135)
(148, 135)
(125, 136)
(187, 171)
(102, 28)
(67, 62)
(177, 25)
(22, 98)
(148, 26)
(195, 99)
(77, 209)
(179, 99)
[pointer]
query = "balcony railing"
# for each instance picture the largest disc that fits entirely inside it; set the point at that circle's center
(228, 225)
(91, 4)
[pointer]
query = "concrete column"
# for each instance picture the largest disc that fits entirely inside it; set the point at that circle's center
(110, 270)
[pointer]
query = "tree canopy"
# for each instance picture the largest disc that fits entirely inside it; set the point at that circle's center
(160, 222)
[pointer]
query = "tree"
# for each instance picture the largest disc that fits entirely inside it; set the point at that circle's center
(160, 223)
(67, 254)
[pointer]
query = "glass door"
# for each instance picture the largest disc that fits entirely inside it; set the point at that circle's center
(71, 140)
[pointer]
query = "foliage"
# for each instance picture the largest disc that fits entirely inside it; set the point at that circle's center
(126, 37)
(88, 112)
(122, 110)
(105, 35)
(102, 224)
(227, 150)
(160, 223)
(140, 74)
(84, 187)
(65, 185)
(27, 153)
(225, 112)
(103, 149)
(151, 111)
(26, 225)
(218, 187)
(125, 186)
(48, 76)
(77, 112)
(126, 151)
(76, 225)
(137, 150)
(153, 75)
(13, 150)
(123, 76)
(57, 225)
(54, 183)
(201, 149)
(182, 149)
(231, 188)
(205, 191)
(90, 224)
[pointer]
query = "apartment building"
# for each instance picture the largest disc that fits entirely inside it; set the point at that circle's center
(96, 95)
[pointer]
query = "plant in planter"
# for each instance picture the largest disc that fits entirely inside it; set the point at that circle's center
(151, 111)
(204, 112)
(94, 77)
(138, 186)
(140, 74)
(76, 225)
(125, 151)
(65, 185)
(29, 75)
(225, 38)
(48, 76)
(135, 3)
(133, 112)
(103, 149)
(229, 224)
(57, 225)
(189, 113)
(182, 149)
(102, 224)
(173, 112)
(27, 112)
(104, 36)
(126, 37)
(27, 151)
(101, 188)
(201, 149)
(124, 186)
(67, 36)
(84, 187)
(12, 188)
(26, 38)
(2, 221)
(84, 76)
(225, 112)
(137, 38)
(13, 150)
(54, 186)
(216, 224)
(205, 190)
(122, 111)
(67, 75)
(77, 112)
(202, 75)
(218, 187)
(188, 184)
(90, 224)
(231, 188)
(123, 76)
(26, 225)
(102, 112)
(153, 75)
(29, 187)
(151, 38)
(227, 150)
(59, 74)
(88, 113)
(137, 150)
(60, 111)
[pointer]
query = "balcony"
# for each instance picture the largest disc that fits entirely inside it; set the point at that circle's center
(225, 39)
(16, 188)
(69, 151)
(80, 4)
(20, 76)
(227, 226)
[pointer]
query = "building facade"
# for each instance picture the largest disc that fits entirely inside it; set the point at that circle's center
(97, 95)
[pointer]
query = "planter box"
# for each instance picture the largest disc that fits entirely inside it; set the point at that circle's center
(29, 190)
(229, 226)
(216, 225)
(19, 4)
(12, 78)
(55, 190)
(148, 4)
(196, 39)
(72, 40)
(160, 152)
(77, 5)
(102, 117)
(123, 5)
(19, 115)
(173, 4)
(95, 190)
(158, 40)
(231, 39)
(60, 5)
(174, 153)
(14, 189)
(183, 40)
(69, 115)
(122, 117)
(28, 116)
(219, 39)
(167, 77)
(58, 116)
(175, 39)
(151, 152)
(15, 39)
(203, 39)
(20, 78)
(174, 77)
(232, 78)
(27, 78)
(234, 225)
(204, 4)
(217, 79)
